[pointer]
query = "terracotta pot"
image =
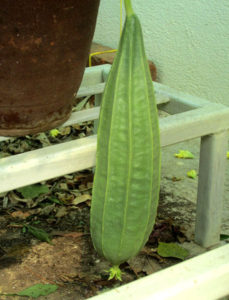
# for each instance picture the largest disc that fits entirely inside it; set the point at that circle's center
(44, 46)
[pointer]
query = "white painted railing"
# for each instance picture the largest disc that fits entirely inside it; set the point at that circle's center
(205, 277)
(191, 118)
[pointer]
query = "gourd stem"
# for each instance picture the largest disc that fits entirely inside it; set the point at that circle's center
(128, 6)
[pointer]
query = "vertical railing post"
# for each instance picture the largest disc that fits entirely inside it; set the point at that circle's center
(98, 98)
(211, 188)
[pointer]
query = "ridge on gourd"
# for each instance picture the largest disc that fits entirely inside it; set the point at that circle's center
(127, 175)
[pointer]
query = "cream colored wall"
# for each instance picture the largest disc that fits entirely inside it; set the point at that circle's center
(187, 40)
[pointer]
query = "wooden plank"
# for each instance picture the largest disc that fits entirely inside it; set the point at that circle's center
(205, 277)
(210, 188)
(98, 101)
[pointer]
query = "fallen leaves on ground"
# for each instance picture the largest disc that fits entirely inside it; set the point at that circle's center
(58, 135)
(20, 214)
(192, 174)
(39, 233)
(32, 191)
(184, 154)
(166, 231)
(144, 263)
(172, 250)
(35, 291)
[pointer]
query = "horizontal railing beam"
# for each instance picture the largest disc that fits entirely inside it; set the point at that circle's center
(194, 123)
(65, 158)
(46, 163)
(94, 75)
(179, 101)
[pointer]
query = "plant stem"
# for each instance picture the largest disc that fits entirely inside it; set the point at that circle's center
(129, 9)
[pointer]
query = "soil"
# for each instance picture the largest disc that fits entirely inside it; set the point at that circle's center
(70, 261)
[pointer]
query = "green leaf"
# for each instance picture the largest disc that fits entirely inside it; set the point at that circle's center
(55, 200)
(227, 154)
(184, 154)
(24, 229)
(54, 132)
(224, 237)
(172, 250)
(38, 290)
(36, 222)
(192, 174)
(32, 191)
(40, 234)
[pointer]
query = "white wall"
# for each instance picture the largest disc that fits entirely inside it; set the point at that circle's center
(188, 40)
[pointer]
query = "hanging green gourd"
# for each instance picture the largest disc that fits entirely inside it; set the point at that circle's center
(127, 176)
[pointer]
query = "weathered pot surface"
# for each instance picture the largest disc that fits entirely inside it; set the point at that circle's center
(44, 47)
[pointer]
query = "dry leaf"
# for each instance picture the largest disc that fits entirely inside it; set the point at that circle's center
(45, 211)
(73, 234)
(15, 200)
(142, 263)
(62, 211)
(20, 214)
(82, 187)
(174, 178)
(65, 130)
(43, 139)
(66, 198)
(89, 185)
(81, 199)
(63, 186)
(76, 126)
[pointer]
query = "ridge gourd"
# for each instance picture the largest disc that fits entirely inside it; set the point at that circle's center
(127, 175)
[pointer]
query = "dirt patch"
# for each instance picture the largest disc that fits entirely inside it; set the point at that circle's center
(70, 261)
